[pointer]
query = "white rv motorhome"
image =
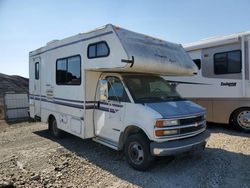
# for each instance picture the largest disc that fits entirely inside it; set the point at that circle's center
(106, 85)
(222, 84)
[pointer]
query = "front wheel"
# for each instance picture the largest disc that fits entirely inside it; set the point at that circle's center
(241, 119)
(137, 152)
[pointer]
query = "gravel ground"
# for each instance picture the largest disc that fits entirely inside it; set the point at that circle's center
(29, 157)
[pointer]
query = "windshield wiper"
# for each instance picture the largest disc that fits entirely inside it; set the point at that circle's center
(174, 98)
(150, 98)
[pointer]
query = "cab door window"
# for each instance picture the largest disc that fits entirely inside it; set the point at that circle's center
(116, 90)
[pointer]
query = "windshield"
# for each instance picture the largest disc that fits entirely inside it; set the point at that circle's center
(149, 89)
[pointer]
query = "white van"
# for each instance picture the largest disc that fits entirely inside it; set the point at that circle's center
(222, 84)
(106, 84)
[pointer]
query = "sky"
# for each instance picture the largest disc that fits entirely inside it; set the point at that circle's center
(26, 25)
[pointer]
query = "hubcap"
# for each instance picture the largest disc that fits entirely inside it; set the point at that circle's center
(136, 153)
(243, 119)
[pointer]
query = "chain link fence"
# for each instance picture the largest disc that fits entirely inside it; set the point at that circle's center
(16, 106)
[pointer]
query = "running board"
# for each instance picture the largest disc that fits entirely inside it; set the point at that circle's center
(105, 142)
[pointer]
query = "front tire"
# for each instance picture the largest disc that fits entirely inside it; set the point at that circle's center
(54, 131)
(137, 152)
(240, 119)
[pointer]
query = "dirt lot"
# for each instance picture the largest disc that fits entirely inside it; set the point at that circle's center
(29, 157)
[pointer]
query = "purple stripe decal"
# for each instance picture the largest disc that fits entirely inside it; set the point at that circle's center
(116, 105)
(69, 105)
(108, 109)
(70, 100)
(62, 99)
(89, 106)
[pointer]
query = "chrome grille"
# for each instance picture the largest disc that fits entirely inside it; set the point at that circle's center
(191, 129)
(192, 120)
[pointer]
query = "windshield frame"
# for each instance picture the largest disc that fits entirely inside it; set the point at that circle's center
(151, 98)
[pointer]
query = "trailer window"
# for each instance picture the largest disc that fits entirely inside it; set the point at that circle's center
(37, 70)
(227, 62)
(198, 63)
(68, 71)
(97, 50)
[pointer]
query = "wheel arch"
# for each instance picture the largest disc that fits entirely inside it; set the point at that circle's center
(129, 130)
(235, 110)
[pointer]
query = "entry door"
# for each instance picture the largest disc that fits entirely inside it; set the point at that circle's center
(109, 114)
(37, 87)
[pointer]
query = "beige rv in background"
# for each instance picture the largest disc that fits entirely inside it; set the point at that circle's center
(222, 84)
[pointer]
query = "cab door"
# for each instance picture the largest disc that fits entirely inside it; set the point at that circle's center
(110, 110)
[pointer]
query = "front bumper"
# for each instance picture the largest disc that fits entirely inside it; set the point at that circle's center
(179, 146)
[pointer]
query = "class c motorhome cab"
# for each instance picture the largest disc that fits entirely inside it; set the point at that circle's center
(106, 84)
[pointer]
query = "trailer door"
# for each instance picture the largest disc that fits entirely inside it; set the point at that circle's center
(37, 88)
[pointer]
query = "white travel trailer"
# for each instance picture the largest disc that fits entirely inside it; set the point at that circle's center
(222, 84)
(106, 85)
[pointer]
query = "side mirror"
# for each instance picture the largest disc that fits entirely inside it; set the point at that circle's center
(103, 86)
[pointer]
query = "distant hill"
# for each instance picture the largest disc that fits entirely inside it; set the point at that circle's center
(13, 84)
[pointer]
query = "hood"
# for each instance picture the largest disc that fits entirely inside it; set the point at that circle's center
(176, 109)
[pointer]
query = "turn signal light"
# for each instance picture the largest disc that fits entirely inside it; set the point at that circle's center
(159, 133)
(159, 123)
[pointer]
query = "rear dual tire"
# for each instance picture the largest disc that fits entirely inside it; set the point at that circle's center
(53, 129)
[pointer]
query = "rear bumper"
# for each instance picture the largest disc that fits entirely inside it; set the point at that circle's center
(179, 146)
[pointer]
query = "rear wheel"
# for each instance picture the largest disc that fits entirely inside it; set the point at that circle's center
(54, 131)
(137, 152)
(241, 119)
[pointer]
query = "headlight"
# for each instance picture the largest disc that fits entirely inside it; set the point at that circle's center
(163, 123)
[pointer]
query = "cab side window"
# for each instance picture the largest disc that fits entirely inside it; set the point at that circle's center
(116, 91)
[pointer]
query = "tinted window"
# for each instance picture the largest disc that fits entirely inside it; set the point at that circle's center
(157, 86)
(68, 71)
(198, 63)
(74, 73)
(92, 51)
(116, 91)
(227, 62)
(102, 49)
(97, 50)
(61, 71)
(37, 70)
(148, 89)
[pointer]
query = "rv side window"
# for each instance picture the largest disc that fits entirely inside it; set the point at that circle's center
(198, 63)
(97, 50)
(68, 71)
(37, 70)
(227, 62)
